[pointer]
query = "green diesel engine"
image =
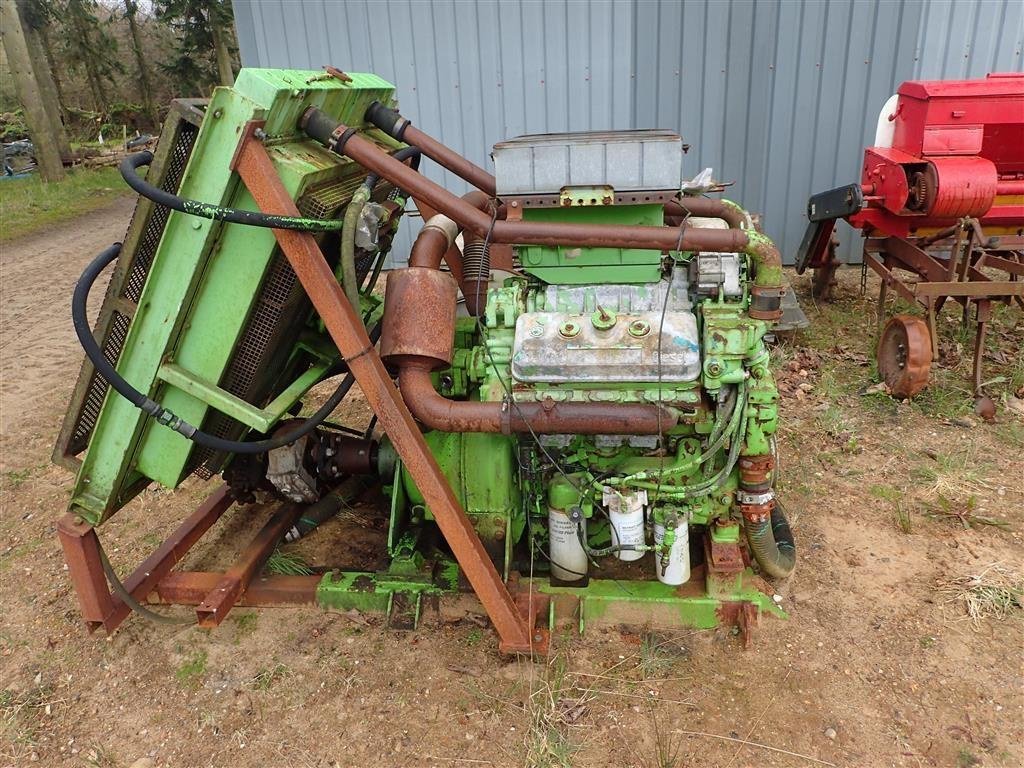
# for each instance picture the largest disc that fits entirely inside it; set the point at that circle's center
(580, 343)
(625, 491)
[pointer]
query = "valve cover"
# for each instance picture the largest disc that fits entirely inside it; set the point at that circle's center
(557, 347)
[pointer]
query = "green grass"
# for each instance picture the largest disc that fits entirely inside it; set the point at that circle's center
(17, 476)
(967, 759)
(548, 742)
(245, 623)
(192, 670)
(265, 678)
(28, 205)
(287, 564)
(656, 657)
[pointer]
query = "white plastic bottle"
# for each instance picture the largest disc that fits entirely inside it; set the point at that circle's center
(568, 559)
(626, 512)
(677, 570)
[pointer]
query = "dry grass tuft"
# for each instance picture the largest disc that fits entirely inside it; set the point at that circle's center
(553, 707)
(995, 592)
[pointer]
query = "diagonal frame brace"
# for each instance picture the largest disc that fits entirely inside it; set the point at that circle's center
(517, 632)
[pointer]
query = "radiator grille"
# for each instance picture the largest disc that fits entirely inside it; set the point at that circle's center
(154, 230)
(98, 385)
(135, 268)
(324, 201)
(272, 313)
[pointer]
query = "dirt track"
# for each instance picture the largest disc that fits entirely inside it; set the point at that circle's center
(873, 668)
(37, 343)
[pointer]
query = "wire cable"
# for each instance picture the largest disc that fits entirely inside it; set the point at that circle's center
(128, 599)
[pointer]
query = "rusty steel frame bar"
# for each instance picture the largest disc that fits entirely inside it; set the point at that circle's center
(101, 608)
(235, 581)
(192, 588)
(517, 633)
(144, 579)
(82, 555)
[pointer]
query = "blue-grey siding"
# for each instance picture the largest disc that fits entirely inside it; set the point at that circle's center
(778, 96)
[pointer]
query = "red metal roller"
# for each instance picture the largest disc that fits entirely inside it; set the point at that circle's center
(960, 186)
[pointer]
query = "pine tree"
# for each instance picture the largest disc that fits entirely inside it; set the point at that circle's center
(87, 45)
(205, 31)
(20, 58)
(35, 17)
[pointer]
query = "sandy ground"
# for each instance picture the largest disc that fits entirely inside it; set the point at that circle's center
(877, 665)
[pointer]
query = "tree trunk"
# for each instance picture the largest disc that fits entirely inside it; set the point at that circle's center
(44, 38)
(131, 8)
(47, 88)
(47, 149)
(220, 44)
(99, 95)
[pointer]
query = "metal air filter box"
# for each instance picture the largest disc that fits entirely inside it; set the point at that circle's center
(627, 161)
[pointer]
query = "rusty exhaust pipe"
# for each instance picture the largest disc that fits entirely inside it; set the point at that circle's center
(768, 286)
(401, 128)
(762, 251)
(725, 210)
(418, 342)
(544, 418)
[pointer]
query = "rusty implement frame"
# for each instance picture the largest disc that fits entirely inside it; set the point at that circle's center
(214, 594)
(236, 579)
(950, 265)
(516, 628)
(101, 608)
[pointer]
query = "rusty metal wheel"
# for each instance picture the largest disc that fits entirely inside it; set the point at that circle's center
(905, 355)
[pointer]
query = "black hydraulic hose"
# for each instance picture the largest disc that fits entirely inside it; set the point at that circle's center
(327, 507)
(105, 369)
(128, 599)
(387, 119)
(772, 544)
(131, 163)
(405, 153)
(576, 515)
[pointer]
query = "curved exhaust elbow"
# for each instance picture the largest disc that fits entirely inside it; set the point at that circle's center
(547, 418)
(433, 242)
(729, 212)
(766, 295)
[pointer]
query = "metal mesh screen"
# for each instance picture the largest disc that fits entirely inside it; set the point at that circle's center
(324, 201)
(131, 289)
(93, 401)
(154, 230)
(274, 307)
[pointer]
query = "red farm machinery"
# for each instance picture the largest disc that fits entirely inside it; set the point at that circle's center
(940, 205)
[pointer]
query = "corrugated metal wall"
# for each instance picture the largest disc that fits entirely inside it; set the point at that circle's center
(778, 96)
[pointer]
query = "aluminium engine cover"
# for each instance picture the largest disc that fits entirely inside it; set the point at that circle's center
(560, 347)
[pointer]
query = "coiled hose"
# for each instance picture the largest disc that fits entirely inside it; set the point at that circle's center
(79, 315)
(772, 545)
(349, 278)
